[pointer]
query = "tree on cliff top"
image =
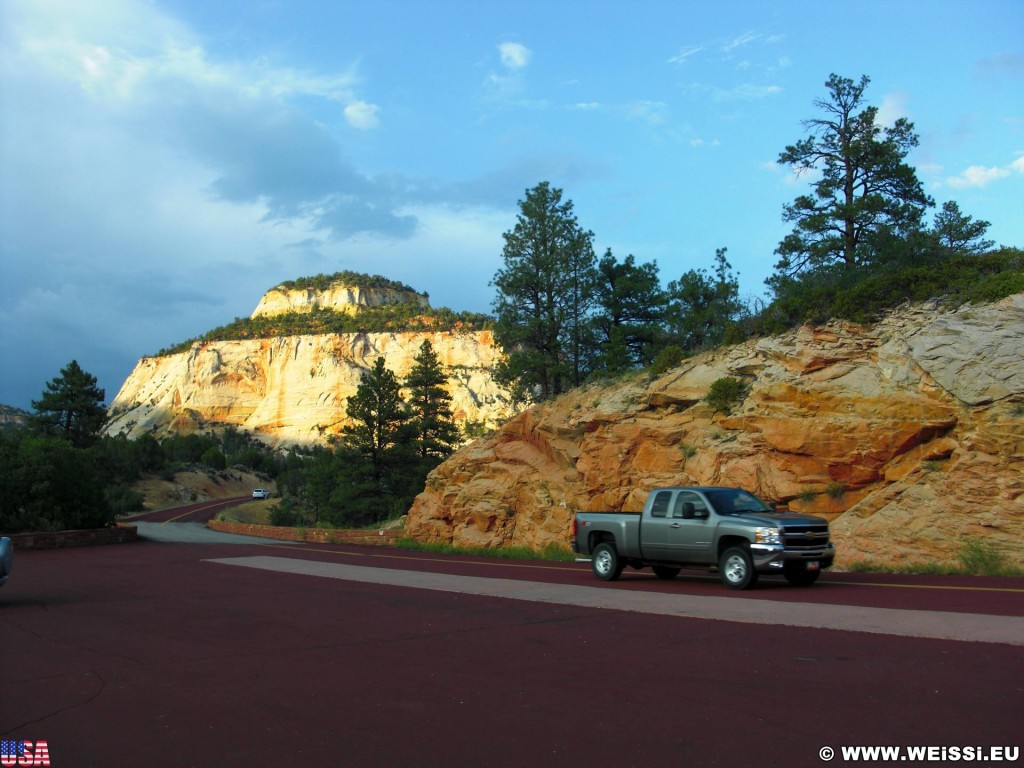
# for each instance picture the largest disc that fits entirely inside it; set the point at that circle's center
(545, 292)
(71, 407)
(865, 188)
(631, 306)
(700, 308)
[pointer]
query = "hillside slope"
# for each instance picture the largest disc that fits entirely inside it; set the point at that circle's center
(908, 435)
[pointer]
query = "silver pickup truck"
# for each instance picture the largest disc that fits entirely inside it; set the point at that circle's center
(725, 529)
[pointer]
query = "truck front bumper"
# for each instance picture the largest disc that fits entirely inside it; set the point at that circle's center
(772, 559)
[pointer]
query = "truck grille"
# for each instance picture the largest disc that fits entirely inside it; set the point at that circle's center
(805, 536)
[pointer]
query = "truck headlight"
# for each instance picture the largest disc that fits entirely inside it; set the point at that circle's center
(767, 536)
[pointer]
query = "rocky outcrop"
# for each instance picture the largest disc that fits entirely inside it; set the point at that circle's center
(908, 435)
(293, 389)
(339, 298)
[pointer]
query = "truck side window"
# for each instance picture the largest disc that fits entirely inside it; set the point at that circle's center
(660, 506)
(699, 507)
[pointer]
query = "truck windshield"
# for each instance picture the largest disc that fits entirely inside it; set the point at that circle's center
(729, 501)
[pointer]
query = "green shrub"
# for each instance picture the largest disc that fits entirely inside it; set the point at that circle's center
(214, 458)
(980, 558)
(123, 500)
(667, 359)
(284, 516)
(726, 393)
(835, 490)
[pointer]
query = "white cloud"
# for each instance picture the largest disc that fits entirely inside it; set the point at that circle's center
(746, 92)
(792, 176)
(1018, 164)
(685, 54)
(514, 55)
(650, 112)
(894, 106)
(361, 115)
(977, 176)
(738, 42)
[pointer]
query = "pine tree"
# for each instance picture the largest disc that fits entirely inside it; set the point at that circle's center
(631, 306)
(71, 407)
(436, 433)
(701, 308)
(377, 468)
(545, 294)
(865, 189)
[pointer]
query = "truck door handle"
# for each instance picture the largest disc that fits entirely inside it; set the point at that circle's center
(676, 525)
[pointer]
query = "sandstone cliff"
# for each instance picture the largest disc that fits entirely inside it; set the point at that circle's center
(908, 436)
(294, 389)
(340, 298)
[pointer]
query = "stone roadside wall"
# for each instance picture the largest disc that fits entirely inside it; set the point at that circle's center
(122, 534)
(318, 535)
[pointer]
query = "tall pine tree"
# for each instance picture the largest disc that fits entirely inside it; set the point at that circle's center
(865, 189)
(545, 294)
(374, 448)
(71, 407)
(436, 435)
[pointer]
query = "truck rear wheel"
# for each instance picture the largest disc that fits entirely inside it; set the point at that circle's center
(737, 568)
(606, 562)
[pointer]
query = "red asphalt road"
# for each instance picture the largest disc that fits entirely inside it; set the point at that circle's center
(151, 655)
(200, 512)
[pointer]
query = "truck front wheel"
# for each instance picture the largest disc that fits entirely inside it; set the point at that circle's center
(606, 562)
(737, 569)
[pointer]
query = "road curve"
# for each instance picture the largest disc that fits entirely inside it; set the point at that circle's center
(200, 512)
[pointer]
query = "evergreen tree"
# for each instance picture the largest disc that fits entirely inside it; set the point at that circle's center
(71, 407)
(958, 233)
(701, 307)
(865, 185)
(375, 445)
(436, 435)
(630, 308)
(48, 485)
(545, 293)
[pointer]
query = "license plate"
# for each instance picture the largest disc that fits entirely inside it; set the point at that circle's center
(813, 565)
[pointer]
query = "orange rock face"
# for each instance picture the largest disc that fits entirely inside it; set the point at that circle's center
(907, 435)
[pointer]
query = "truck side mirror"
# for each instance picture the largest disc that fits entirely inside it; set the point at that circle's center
(688, 510)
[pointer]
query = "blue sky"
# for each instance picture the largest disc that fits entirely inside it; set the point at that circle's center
(162, 164)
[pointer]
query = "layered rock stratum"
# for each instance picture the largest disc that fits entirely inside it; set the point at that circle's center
(349, 299)
(907, 435)
(289, 390)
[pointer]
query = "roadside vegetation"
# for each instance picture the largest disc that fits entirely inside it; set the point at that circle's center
(551, 552)
(975, 557)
